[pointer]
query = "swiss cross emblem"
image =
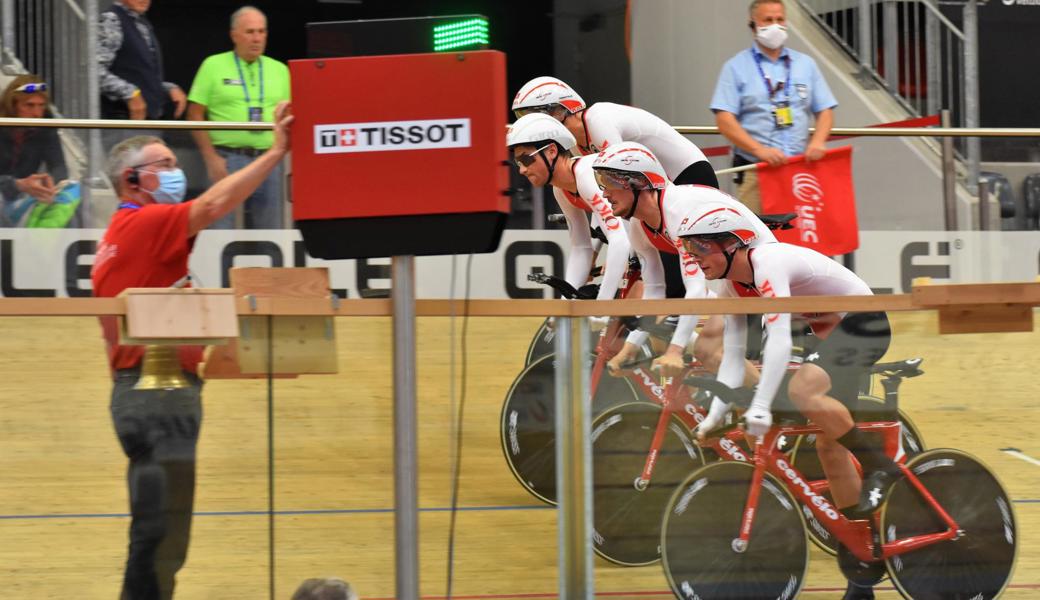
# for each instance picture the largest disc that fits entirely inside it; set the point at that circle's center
(347, 137)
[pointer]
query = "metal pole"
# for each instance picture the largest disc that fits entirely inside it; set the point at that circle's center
(865, 47)
(933, 58)
(7, 15)
(95, 154)
(891, 46)
(971, 88)
(983, 187)
(406, 471)
(537, 207)
(573, 459)
(949, 170)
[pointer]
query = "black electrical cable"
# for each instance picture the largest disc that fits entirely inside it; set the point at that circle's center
(456, 470)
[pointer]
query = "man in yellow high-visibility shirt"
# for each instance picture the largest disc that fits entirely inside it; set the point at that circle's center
(241, 85)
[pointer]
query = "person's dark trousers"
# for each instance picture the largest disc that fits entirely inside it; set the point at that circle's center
(158, 430)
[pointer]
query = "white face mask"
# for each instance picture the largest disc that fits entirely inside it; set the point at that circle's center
(771, 36)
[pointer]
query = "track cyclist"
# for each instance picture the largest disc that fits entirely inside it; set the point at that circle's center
(637, 186)
(605, 124)
(724, 243)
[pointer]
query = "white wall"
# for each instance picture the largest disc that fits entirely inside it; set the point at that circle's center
(678, 48)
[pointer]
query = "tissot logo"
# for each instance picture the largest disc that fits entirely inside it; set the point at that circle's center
(386, 136)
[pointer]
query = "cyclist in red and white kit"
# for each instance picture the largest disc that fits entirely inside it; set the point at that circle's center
(605, 124)
(825, 388)
(541, 147)
(638, 189)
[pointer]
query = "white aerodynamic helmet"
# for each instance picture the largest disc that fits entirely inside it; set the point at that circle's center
(629, 165)
(537, 129)
(714, 221)
(542, 94)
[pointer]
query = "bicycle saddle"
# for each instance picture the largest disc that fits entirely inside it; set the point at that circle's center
(910, 367)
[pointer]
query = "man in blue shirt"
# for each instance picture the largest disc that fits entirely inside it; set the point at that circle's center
(767, 97)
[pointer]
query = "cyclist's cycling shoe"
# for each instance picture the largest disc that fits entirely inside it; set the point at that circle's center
(857, 592)
(875, 488)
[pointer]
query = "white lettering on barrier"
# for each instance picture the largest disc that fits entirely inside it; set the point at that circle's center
(382, 136)
(56, 262)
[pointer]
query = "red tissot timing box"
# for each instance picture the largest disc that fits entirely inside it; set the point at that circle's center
(401, 154)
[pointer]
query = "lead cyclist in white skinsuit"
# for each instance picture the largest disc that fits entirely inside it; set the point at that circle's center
(826, 387)
(541, 147)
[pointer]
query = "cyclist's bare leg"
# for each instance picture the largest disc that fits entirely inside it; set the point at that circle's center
(708, 350)
(808, 391)
(837, 464)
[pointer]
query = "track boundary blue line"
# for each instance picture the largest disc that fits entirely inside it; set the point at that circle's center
(317, 511)
(257, 513)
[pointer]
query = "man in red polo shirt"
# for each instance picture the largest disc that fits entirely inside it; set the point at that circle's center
(147, 244)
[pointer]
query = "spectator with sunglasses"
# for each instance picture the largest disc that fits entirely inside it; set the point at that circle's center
(31, 158)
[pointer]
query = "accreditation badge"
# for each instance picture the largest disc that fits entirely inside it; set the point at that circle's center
(782, 115)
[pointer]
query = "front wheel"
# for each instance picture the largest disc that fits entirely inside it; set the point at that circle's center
(976, 565)
(528, 424)
(702, 522)
(627, 510)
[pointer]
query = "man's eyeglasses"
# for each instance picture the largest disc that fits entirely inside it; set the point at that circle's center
(526, 160)
(31, 88)
(165, 163)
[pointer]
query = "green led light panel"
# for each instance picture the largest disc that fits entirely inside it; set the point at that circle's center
(460, 34)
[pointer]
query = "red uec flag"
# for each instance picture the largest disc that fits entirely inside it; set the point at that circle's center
(821, 194)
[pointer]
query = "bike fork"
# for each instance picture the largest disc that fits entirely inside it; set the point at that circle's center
(740, 543)
(643, 481)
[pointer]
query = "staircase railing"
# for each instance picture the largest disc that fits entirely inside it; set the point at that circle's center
(911, 49)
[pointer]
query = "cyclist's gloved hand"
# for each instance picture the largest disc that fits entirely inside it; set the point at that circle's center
(758, 420)
(716, 415)
(598, 323)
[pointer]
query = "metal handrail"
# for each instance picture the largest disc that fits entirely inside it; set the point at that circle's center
(135, 124)
(942, 19)
(900, 131)
(684, 129)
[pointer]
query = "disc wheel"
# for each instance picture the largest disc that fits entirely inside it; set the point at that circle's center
(805, 459)
(528, 424)
(978, 564)
(544, 342)
(627, 511)
(702, 522)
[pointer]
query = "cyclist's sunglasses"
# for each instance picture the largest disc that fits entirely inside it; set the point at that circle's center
(698, 248)
(31, 88)
(618, 180)
(526, 160)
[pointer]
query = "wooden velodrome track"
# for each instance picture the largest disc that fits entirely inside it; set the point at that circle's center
(63, 523)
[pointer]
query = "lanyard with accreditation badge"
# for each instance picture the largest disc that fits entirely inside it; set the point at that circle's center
(256, 113)
(782, 115)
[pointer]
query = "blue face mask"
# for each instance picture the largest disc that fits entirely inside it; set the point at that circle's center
(172, 187)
